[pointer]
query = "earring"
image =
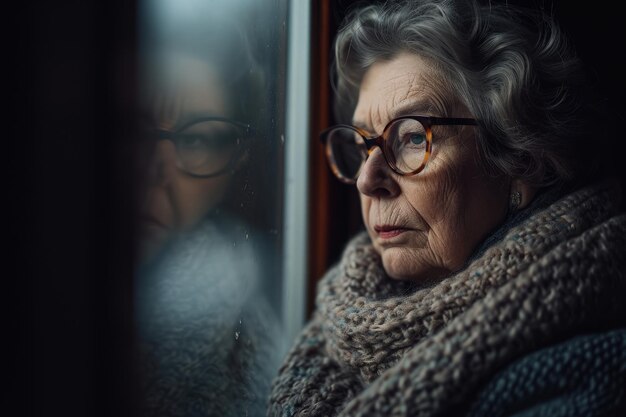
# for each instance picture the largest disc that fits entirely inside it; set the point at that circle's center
(516, 200)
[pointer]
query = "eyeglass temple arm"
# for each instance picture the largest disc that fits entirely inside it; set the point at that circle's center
(452, 121)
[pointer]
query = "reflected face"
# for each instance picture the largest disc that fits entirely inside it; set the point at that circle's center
(427, 225)
(176, 201)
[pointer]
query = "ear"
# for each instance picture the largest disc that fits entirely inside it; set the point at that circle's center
(527, 192)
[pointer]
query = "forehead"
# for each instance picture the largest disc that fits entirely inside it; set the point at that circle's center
(182, 87)
(405, 84)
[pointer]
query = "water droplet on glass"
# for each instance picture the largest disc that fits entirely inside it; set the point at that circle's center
(246, 239)
(236, 335)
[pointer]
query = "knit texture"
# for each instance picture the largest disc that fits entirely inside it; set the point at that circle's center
(584, 376)
(209, 340)
(379, 347)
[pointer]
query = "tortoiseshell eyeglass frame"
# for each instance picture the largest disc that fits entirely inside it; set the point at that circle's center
(381, 141)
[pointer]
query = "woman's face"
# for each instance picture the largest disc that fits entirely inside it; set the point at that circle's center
(187, 89)
(426, 225)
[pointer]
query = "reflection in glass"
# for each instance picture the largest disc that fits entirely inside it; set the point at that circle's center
(209, 146)
(209, 337)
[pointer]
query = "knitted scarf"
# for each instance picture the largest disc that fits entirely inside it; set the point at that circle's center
(209, 341)
(376, 346)
(583, 376)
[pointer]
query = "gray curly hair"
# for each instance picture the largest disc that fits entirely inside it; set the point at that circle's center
(513, 69)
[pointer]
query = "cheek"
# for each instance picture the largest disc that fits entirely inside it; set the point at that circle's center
(472, 205)
(486, 205)
(446, 197)
(197, 196)
(366, 203)
(433, 194)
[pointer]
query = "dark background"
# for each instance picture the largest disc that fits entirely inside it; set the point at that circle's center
(68, 151)
(69, 91)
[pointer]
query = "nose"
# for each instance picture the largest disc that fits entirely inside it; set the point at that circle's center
(376, 178)
(163, 165)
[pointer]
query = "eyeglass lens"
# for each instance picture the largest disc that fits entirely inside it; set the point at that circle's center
(347, 152)
(405, 148)
(207, 147)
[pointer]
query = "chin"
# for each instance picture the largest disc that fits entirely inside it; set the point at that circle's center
(403, 266)
(400, 266)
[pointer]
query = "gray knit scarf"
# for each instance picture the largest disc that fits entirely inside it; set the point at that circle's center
(377, 347)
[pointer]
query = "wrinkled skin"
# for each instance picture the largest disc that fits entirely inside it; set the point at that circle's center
(424, 226)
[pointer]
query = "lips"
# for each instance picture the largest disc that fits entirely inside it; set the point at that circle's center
(389, 231)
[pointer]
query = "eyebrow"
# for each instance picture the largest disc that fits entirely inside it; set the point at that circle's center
(189, 117)
(412, 108)
(409, 108)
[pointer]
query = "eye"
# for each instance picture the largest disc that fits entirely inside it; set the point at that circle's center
(417, 138)
(413, 139)
(189, 141)
(408, 133)
(204, 142)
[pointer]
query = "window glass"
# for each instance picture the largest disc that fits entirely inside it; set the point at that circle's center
(209, 274)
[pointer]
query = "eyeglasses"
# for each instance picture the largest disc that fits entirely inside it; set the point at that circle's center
(406, 144)
(208, 146)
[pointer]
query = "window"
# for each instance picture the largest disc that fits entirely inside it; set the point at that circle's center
(209, 285)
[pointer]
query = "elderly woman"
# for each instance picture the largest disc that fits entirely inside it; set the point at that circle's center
(490, 279)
